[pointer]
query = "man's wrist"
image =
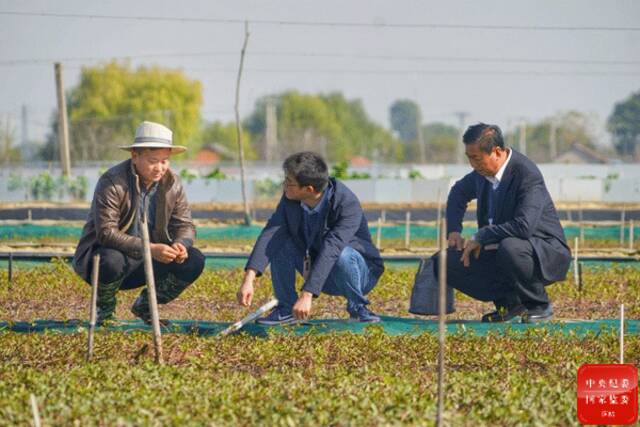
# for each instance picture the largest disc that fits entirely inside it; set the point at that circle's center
(306, 294)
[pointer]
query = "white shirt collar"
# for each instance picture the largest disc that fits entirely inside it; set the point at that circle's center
(495, 180)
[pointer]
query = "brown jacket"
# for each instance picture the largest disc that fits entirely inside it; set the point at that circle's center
(114, 208)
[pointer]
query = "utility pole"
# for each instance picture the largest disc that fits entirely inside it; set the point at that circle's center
(421, 148)
(553, 144)
(523, 137)
(63, 127)
(462, 118)
(271, 131)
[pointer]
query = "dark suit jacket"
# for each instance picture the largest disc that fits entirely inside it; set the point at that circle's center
(524, 209)
(344, 225)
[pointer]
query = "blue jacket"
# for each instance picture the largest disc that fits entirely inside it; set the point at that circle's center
(344, 225)
(524, 209)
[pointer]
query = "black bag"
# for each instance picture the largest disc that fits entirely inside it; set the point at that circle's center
(425, 294)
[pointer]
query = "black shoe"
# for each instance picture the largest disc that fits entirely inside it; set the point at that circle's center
(540, 313)
(140, 310)
(504, 314)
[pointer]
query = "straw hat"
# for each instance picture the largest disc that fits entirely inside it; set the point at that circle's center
(154, 135)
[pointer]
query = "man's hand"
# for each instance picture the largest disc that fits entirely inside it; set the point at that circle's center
(182, 252)
(302, 307)
(163, 253)
(245, 293)
(456, 240)
(470, 247)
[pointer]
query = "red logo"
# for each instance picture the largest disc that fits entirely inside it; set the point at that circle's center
(608, 394)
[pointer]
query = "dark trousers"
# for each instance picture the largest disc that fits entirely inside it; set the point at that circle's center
(509, 273)
(115, 265)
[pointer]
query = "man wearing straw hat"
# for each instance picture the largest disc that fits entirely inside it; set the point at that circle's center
(143, 183)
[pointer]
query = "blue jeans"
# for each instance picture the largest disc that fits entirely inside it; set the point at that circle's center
(349, 278)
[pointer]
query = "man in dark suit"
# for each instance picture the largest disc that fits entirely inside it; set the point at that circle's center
(520, 245)
(319, 230)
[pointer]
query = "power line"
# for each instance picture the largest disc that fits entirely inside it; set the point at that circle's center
(425, 58)
(349, 24)
(419, 71)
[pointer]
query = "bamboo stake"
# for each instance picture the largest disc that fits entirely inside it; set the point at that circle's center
(243, 183)
(407, 229)
(576, 272)
(442, 283)
(631, 238)
(384, 215)
(92, 308)
(622, 223)
(379, 233)
(151, 289)
(621, 333)
(10, 272)
(438, 218)
(36, 412)
(581, 223)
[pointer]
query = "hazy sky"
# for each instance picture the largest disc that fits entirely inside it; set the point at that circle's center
(500, 61)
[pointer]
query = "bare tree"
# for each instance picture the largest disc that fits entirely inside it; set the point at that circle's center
(247, 214)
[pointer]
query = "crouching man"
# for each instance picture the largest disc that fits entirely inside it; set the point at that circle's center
(319, 230)
(113, 230)
(520, 247)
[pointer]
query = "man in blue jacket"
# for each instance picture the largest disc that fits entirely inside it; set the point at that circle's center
(319, 230)
(520, 245)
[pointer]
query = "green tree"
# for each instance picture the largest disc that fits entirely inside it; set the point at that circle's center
(404, 116)
(624, 125)
(571, 128)
(112, 99)
(224, 135)
(441, 140)
(329, 124)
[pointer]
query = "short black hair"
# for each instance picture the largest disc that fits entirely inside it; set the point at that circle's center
(307, 168)
(487, 136)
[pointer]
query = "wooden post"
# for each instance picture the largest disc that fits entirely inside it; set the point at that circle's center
(379, 233)
(576, 272)
(407, 230)
(579, 277)
(243, 180)
(622, 224)
(581, 223)
(36, 412)
(10, 267)
(438, 218)
(63, 127)
(442, 300)
(151, 288)
(631, 238)
(92, 309)
(621, 333)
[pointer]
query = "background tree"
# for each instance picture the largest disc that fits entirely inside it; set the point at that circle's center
(624, 125)
(441, 140)
(335, 127)
(405, 118)
(112, 99)
(224, 135)
(570, 128)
